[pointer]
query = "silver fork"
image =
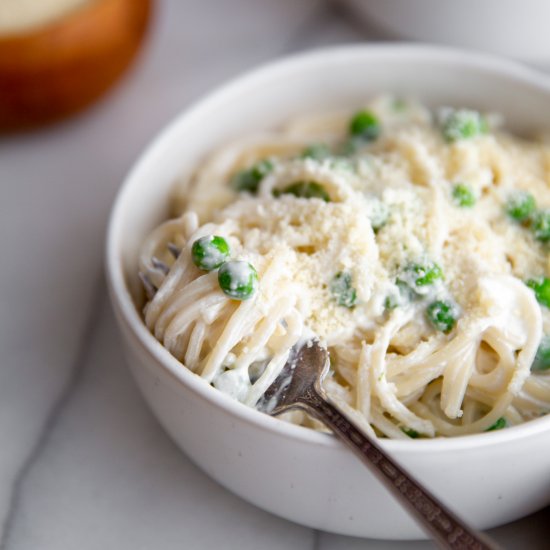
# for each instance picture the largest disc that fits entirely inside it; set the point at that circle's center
(299, 386)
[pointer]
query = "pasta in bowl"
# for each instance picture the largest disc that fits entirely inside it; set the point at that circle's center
(299, 217)
(413, 243)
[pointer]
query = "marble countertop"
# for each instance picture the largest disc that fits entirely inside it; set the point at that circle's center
(84, 465)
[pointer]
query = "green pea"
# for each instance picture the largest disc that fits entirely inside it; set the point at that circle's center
(317, 151)
(421, 274)
(391, 302)
(238, 279)
(210, 252)
(541, 225)
(415, 281)
(249, 180)
(463, 124)
(364, 125)
(402, 296)
(520, 206)
(378, 213)
(305, 190)
(542, 358)
(498, 425)
(342, 289)
(442, 315)
(463, 195)
(541, 287)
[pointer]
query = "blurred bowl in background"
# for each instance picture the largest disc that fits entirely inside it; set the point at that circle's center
(51, 70)
(515, 28)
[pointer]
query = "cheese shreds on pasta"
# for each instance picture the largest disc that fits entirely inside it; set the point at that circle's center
(410, 248)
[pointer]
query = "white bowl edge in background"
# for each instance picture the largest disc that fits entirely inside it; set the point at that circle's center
(296, 473)
(515, 28)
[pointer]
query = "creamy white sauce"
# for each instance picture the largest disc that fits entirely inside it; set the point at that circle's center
(506, 307)
(240, 274)
(234, 383)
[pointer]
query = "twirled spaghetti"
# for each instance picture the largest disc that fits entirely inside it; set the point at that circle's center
(404, 243)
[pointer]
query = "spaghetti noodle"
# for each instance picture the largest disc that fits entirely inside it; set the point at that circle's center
(404, 242)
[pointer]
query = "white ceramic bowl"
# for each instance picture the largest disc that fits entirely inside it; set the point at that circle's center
(516, 28)
(302, 475)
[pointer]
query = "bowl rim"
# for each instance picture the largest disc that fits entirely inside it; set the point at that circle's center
(129, 315)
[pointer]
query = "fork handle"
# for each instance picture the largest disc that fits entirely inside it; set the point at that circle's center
(447, 530)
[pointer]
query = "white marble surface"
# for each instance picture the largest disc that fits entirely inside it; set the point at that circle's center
(83, 464)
